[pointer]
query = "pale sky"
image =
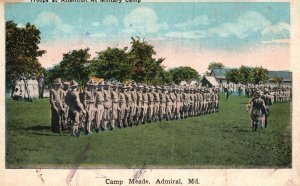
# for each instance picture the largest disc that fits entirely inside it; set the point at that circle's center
(186, 34)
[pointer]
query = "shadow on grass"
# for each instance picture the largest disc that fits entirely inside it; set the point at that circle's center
(38, 128)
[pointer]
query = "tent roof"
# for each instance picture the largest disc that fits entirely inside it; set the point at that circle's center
(212, 80)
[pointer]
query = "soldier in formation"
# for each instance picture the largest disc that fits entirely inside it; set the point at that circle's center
(107, 105)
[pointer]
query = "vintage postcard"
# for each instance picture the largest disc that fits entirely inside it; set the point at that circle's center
(134, 92)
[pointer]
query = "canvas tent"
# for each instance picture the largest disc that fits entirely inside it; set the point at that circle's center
(209, 81)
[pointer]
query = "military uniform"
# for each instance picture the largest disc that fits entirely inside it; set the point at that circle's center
(115, 106)
(99, 106)
(162, 98)
(75, 107)
(122, 107)
(151, 104)
(139, 111)
(156, 103)
(57, 96)
(145, 105)
(257, 111)
(107, 105)
(89, 103)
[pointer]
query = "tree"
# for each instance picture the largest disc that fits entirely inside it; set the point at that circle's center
(51, 74)
(259, 75)
(144, 67)
(184, 74)
(75, 66)
(112, 63)
(245, 74)
(213, 65)
(233, 75)
(22, 51)
(278, 80)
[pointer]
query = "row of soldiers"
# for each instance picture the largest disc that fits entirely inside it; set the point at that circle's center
(261, 100)
(107, 105)
(278, 94)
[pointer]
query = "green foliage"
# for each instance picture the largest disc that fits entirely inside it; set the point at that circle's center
(145, 68)
(220, 140)
(22, 50)
(184, 74)
(246, 75)
(259, 75)
(213, 65)
(112, 63)
(233, 75)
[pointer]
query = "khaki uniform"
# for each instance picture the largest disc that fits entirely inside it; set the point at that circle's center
(122, 109)
(145, 106)
(115, 105)
(89, 104)
(151, 106)
(129, 107)
(107, 107)
(75, 107)
(162, 109)
(57, 105)
(139, 112)
(100, 108)
(156, 105)
(178, 104)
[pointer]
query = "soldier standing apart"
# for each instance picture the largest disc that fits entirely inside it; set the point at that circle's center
(115, 105)
(89, 103)
(75, 107)
(99, 106)
(257, 111)
(56, 101)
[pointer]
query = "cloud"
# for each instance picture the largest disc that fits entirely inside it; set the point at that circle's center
(110, 21)
(199, 20)
(249, 23)
(51, 21)
(143, 20)
(280, 30)
(187, 35)
(96, 23)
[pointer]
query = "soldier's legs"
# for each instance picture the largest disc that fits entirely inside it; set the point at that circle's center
(75, 119)
(99, 116)
(55, 121)
(114, 115)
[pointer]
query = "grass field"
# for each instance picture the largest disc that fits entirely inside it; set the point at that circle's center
(219, 140)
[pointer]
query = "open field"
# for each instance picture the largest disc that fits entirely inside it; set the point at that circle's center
(219, 140)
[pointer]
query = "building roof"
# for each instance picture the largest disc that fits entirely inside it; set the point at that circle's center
(212, 80)
(219, 73)
(285, 75)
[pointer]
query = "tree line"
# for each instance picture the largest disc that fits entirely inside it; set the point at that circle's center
(134, 63)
